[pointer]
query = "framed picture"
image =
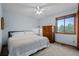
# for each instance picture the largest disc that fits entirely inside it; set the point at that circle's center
(2, 23)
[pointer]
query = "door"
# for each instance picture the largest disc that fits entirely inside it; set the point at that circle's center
(0, 31)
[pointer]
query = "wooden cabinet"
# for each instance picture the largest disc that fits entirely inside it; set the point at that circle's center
(49, 32)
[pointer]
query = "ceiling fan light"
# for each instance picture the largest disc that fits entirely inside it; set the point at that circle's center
(38, 12)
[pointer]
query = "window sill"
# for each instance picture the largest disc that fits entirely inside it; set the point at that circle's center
(66, 33)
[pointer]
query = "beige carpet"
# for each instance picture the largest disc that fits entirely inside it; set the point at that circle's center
(58, 50)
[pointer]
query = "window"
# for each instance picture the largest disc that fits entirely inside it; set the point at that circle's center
(60, 25)
(66, 24)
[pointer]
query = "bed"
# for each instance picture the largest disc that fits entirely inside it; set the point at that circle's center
(25, 43)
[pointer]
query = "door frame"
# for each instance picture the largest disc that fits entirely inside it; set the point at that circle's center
(78, 28)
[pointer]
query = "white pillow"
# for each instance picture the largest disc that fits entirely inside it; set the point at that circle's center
(29, 33)
(36, 31)
(17, 33)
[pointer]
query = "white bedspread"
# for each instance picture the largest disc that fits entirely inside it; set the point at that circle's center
(26, 45)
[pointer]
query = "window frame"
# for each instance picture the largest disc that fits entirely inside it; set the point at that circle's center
(64, 18)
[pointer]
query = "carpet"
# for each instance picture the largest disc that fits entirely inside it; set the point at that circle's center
(58, 50)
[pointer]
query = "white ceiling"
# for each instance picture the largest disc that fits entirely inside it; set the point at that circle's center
(28, 8)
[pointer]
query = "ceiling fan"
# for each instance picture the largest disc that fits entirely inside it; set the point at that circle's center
(39, 10)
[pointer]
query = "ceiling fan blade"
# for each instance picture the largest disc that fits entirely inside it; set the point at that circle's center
(38, 7)
(42, 9)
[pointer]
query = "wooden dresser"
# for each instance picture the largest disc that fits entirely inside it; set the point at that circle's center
(49, 32)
